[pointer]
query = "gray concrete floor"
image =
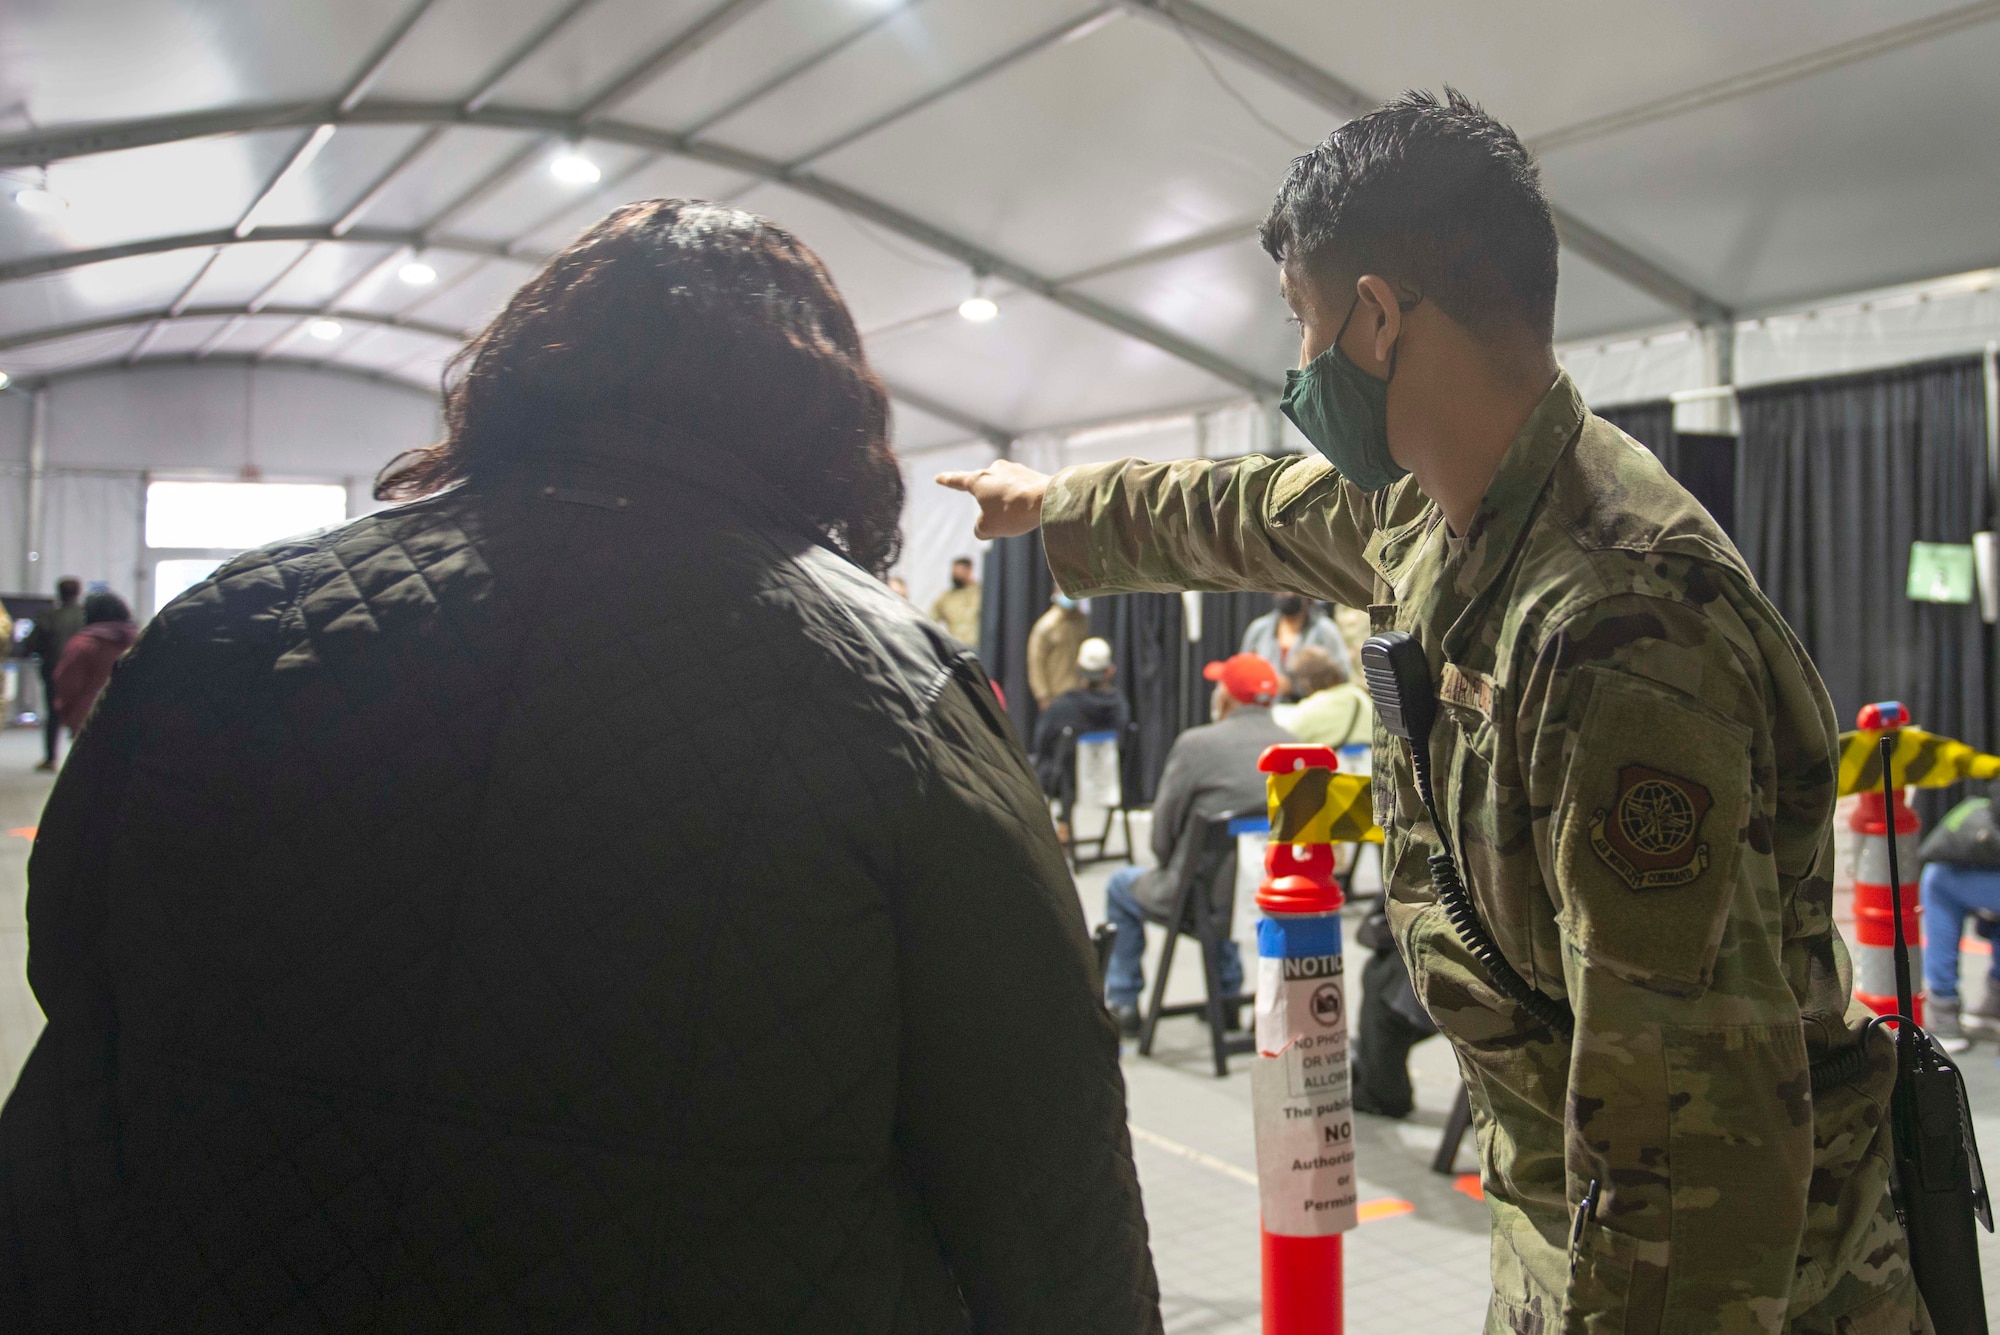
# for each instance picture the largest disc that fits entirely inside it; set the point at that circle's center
(1410, 1272)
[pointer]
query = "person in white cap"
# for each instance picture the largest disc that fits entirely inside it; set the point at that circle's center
(1095, 706)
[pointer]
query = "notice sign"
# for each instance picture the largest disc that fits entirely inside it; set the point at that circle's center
(1299, 1080)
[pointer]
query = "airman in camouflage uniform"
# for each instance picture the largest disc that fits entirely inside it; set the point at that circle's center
(1636, 763)
(1634, 759)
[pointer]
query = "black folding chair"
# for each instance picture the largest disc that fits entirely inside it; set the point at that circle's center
(1196, 914)
(1113, 816)
(1455, 1127)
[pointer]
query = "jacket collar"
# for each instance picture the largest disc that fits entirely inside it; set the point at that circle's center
(1504, 511)
(616, 459)
(1437, 592)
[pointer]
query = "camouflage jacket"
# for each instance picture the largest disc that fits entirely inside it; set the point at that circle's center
(1635, 760)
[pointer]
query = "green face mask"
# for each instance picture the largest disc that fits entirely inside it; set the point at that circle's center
(1344, 412)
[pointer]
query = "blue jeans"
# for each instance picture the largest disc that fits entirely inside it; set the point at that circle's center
(1950, 894)
(1126, 976)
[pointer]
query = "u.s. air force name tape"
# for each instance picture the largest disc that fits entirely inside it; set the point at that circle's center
(1922, 759)
(1318, 806)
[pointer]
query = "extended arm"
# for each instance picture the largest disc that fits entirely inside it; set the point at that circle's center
(1285, 524)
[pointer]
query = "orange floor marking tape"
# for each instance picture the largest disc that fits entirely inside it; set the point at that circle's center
(1388, 1207)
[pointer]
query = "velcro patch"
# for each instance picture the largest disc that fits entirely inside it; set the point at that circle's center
(1468, 688)
(1651, 835)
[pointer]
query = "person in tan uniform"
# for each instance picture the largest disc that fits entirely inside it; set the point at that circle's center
(1687, 1130)
(1053, 642)
(957, 608)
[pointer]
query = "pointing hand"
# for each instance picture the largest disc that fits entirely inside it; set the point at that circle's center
(1009, 496)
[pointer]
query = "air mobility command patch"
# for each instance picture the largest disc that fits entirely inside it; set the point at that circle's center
(1650, 836)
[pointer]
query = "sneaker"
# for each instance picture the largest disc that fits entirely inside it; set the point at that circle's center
(1941, 1020)
(1983, 1020)
(46, 767)
(1127, 1016)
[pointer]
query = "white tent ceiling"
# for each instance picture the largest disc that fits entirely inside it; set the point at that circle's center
(1100, 164)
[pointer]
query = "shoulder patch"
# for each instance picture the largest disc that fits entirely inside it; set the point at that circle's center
(1652, 823)
(1650, 836)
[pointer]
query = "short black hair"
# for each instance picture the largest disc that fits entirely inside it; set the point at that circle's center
(105, 605)
(961, 560)
(1434, 193)
(68, 587)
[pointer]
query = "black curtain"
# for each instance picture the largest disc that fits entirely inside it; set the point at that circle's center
(1158, 670)
(1650, 423)
(1016, 585)
(1837, 478)
(1705, 464)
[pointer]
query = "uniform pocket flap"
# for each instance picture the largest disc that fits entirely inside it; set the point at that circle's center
(1652, 815)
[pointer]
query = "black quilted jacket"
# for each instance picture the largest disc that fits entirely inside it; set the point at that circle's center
(571, 904)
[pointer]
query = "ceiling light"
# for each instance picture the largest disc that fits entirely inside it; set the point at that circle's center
(5, 380)
(978, 309)
(324, 330)
(40, 199)
(573, 168)
(417, 274)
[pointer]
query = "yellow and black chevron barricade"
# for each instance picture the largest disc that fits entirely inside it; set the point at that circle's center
(1320, 806)
(1922, 760)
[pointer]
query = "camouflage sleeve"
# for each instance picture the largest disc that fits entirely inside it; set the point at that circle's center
(1276, 525)
(1646, 741)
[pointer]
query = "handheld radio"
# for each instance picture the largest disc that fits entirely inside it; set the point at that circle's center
(1399, 679)
(1940, 1188)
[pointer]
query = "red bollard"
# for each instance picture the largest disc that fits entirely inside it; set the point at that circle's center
(1299, 1077)
(1874, 916)
(1303, 1285)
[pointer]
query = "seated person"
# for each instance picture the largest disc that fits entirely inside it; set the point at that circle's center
(1332, 711)
(1095, 706)
(1210, 770)
(1961, 880)
(1294, 622)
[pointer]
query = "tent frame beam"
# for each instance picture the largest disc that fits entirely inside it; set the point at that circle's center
(1218, 32)
(998, 437)
(41, 147)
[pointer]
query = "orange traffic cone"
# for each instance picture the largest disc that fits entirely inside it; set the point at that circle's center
(1874, 914)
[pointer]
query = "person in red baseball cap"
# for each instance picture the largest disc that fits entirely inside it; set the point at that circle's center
(1210, 770)
(1248, 678)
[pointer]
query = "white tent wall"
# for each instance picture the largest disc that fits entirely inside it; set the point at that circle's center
(106, 429)
(1948, 317)
(937, 524)
(14, 411)
(108, 432)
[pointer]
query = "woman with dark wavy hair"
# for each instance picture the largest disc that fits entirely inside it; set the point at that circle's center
(580, 898)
